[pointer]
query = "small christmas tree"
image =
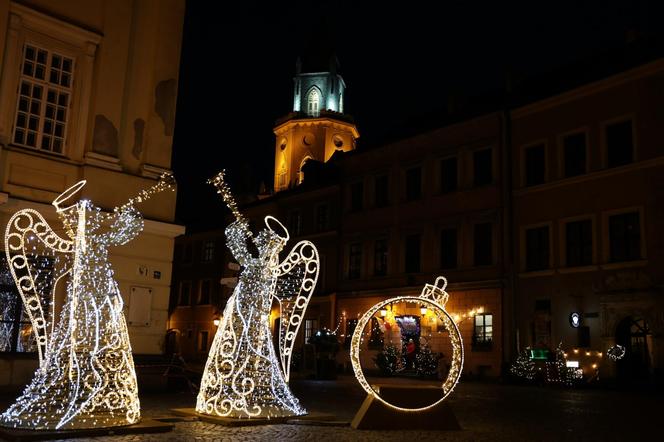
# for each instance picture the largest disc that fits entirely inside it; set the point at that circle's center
(426, 361)
(389, 360)
(523, 367)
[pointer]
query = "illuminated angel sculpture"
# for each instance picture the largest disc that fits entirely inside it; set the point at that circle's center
(244, 376)
(86, 376)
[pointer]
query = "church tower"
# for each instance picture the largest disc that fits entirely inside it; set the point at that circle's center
(317, 127)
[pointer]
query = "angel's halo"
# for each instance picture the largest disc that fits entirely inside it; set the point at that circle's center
(64, 196)
(270, 220)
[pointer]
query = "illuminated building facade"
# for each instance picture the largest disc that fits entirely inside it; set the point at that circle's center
(88, 92)
(587, 175)
(534, 212)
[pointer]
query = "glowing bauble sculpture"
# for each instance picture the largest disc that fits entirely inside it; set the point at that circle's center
(244, 376)
(86, 377)
(433, 297)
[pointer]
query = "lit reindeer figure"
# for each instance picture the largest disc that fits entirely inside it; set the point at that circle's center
(86, 376)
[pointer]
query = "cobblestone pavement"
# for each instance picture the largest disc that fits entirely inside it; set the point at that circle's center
(485, 411)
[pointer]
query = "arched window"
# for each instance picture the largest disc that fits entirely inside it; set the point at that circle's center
(313, 102)
(300, 174)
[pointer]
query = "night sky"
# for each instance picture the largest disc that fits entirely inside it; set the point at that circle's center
(399, 61)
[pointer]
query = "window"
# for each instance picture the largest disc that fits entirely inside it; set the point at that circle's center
(537, 248)
(624, 237)
(15, 327)
(204, 292)
(185, 293)
(574, 152)
(381, 191)
(380, 257)
(313, 102)
(448, 248)
(300, 173)
(483, 333)
(449, 177)
(413, 183)
(294, 222)
(619, 143)
(356, 196)
(310, 327)
(534, 158)
(354, 260)
(208, 251)
(203, 341)
(322, 217)
(483, 244)
(44, 100)
(579, 243)
(482, 167)
(412, 253)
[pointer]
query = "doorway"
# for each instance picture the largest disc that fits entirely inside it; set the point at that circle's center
(634, 334)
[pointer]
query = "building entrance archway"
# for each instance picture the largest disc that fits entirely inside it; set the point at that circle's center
(634, 334)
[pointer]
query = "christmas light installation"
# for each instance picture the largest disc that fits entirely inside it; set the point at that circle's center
(434, 297)
(244, 377)
(86, 375)
(616, 353)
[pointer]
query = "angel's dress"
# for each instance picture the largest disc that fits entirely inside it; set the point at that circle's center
(242, 376)
(88, 378)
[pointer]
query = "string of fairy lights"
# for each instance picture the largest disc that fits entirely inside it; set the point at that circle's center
(244, 377)
(86, 376)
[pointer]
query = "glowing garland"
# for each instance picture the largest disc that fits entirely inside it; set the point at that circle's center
(244, 377)
(616, 353)
(435, 297)
(86, 376)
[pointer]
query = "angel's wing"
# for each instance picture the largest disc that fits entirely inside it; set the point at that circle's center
(298, 274)
(34, 253)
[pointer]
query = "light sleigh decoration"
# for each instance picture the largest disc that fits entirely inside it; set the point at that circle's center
(86, 376)
(434, 297)
(245, 377)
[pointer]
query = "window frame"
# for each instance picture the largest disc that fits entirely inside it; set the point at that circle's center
(26, 25)
(351, 273)
(606, 250)
(207, 253)
(351, 196)
(420, 192)
(523, 169)
(457, 184)
(481, 341)
(378, 204)
(184, 283)
(585, 130)
(563, 240)
(385, 256)
(199, 298)
(604, 145)
(493, 179)
(314, 91)
(317, 211)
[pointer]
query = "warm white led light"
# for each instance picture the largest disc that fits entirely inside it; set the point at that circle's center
(86, 376)
(434, 297)
(244, 377)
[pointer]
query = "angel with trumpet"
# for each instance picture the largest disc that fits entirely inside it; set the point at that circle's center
(245, 377)
(86, 375)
